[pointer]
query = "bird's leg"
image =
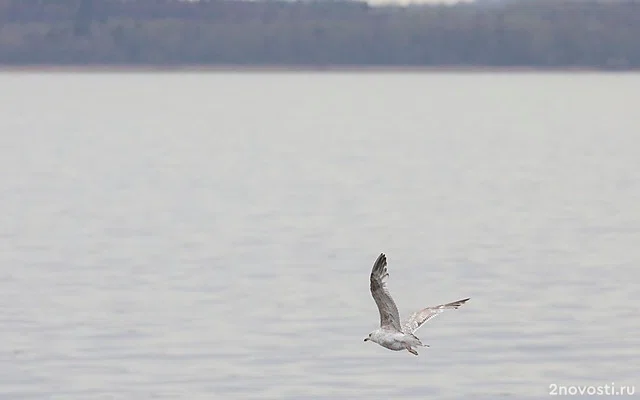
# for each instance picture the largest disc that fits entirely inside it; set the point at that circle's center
(412, 351)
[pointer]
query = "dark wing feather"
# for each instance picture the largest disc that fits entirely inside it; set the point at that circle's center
(389, 316)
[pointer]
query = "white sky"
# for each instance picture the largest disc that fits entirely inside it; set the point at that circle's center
(416, 1)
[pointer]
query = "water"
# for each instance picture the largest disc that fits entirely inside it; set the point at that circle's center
(205, 236)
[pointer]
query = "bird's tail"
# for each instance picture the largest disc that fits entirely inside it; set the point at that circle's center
(415, 341)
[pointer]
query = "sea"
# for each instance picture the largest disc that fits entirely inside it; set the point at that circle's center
(210, 234)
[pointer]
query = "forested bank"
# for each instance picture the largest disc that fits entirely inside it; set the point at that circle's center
(527, 33)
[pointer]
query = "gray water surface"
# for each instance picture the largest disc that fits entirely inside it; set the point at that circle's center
(205, 236)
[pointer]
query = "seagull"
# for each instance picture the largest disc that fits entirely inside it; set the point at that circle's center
(393, 334)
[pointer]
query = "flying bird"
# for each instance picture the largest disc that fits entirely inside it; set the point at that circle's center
(394, 334)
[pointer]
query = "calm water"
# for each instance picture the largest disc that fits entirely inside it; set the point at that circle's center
(202, 236)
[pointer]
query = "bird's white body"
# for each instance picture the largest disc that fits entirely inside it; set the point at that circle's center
(394, 340)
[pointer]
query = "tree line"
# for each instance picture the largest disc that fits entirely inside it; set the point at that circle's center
(525, 33)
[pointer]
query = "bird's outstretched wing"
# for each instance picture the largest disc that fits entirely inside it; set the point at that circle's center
(418, 318)
(389, 317)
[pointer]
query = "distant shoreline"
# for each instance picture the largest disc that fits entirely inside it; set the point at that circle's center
(141, 68)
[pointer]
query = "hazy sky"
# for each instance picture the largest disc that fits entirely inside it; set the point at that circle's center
(415, 1)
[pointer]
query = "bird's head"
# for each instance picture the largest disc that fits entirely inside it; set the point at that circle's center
(368, 337)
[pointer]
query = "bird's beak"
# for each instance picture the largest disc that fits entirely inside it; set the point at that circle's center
(365, 339)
